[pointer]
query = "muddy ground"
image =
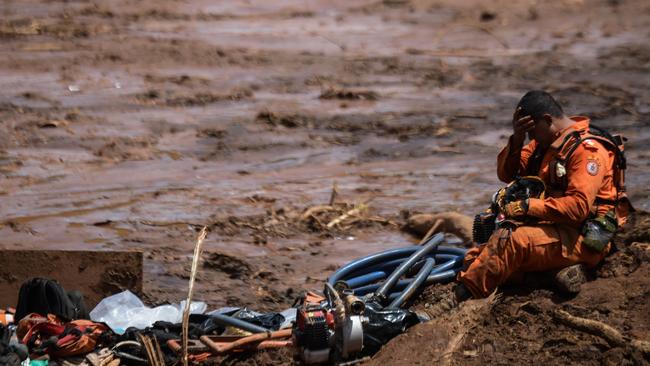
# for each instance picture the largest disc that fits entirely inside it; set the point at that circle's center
(521, 325)
(129, 124)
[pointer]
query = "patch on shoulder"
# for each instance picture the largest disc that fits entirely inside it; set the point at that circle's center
(592, 167)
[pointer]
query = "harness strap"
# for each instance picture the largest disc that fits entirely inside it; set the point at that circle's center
(566, 144)
(559, 143)
(535, 162)
(603, 201)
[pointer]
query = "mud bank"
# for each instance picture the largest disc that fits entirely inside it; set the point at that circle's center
(521, 324)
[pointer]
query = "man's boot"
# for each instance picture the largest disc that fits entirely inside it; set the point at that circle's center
(570, 279)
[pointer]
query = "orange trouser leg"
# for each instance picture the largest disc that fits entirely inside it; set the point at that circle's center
(524, 249)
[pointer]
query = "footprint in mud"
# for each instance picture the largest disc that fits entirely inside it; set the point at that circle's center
(334, 93)
(235, 267)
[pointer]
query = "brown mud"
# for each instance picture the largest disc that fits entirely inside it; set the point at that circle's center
(96, 274)
(129, 124)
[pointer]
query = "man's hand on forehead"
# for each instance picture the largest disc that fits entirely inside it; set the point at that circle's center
(521, 124)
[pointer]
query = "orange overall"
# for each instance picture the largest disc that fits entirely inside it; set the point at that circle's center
(555, 242)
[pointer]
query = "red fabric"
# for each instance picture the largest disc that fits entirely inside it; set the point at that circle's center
(80, 335)
(29, 321)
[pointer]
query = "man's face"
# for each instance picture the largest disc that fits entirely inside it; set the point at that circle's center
(541, 132)
(531, 133)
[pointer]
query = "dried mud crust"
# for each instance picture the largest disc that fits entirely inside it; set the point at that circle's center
(271, 358)
(261, 282)
(100, 274)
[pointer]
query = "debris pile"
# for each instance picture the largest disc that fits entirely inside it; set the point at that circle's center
(363, 305)
(326, 220)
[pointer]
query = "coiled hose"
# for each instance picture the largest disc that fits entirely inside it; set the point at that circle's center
(377, 276)
(430, 245)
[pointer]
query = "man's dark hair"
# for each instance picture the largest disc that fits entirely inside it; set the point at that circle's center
(536, 103)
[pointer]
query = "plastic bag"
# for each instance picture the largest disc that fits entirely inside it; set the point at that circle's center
(384, 324)
(271, 321)
(228, 310)
(124, 310)
(289, 317)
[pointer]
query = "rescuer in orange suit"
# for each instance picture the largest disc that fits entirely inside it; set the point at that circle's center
(579, 173)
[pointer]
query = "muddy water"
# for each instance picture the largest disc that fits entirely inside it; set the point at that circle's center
(128, 124)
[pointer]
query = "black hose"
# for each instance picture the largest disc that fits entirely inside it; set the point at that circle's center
(414, 285)
(382, 293)
(225, 320)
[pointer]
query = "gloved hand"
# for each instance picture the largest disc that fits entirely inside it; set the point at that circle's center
(517, 209)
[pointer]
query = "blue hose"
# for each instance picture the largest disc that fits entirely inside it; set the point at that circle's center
(447, 261)
(359, 266)
(366, 261)
(364, 275)
(386, 267)
(389, 266)
(365, 279)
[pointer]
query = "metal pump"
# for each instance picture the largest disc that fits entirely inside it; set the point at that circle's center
(329, 329)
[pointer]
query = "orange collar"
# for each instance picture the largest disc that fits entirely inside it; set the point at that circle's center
(581, 124)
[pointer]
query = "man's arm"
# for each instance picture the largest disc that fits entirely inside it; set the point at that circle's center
(512, 160)
(585, 172)
(514, 157)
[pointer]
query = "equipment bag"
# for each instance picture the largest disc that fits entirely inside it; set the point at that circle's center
(43, 296)
(48, 335)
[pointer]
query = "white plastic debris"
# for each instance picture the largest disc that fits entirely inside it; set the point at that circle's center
(124, 310)
(224, 310)
(73, 88)
(289, 317)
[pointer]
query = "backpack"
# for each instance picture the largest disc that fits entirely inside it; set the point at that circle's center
(567, 144)
(43, 296)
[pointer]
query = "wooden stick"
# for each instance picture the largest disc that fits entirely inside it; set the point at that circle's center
(355, 211)
(611, 335)
(602, 330)
(154, 354)
(431, 231)
(314, 210)
(335, 192)
(186, 311)
(159, 354)
(382, 220)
